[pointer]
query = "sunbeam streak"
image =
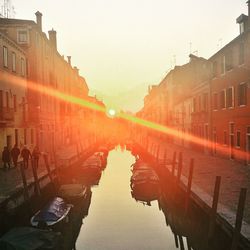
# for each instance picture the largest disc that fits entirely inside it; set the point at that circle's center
(124, 116)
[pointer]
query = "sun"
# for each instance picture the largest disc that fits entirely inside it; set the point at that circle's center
(111, 112)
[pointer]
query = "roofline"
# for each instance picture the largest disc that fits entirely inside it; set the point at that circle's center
(230, 43)
(13, 43)
(14, 21)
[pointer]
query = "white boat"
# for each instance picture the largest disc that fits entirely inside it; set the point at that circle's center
(54, 212)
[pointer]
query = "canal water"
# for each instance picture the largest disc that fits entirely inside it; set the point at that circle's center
(116, 220)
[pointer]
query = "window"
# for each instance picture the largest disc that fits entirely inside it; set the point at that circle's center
(1, 98)
(13, 61)
(231, 127)
(214, 69)
(205, 102)
(16, 137)
(215, 101)
(14, 102)
(225, 137)
(22, 67)
(248, 130)
(194, 105)
(229, 60)
(238, 139)
(223, 99)
(223, 65)
(5, 56)
(230, 97)
(199, 103)
(7, 100)
(242, 27)
(242, 94)
(25, 136)
(241, 53)
(31, 136)
(22, 36)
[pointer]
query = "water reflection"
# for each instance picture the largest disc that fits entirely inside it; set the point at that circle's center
(144, 182)
(131, 208)
(116, 221)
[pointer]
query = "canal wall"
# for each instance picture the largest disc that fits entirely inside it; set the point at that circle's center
(225, 220)
(24, 200)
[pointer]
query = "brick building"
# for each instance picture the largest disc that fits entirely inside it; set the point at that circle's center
(209, 99)
(230, 93)
(13, 98)
(55, 121)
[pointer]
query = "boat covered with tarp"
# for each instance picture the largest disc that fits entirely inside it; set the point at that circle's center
(55, 211)
(144, 182)
(28, 238)
(73, 192)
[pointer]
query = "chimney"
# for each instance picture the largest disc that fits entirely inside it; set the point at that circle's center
(39, 19)
(76, 70)
(149, 88)
(52, 38)
(69, 60)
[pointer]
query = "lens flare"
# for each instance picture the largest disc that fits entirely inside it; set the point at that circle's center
(124, 116)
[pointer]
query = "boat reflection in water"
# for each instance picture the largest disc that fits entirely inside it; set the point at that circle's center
(144, 182)
(189, 227)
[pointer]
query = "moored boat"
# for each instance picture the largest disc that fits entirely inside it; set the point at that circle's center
(144, 182)
(28, 238)
(72, 193)
(54, 212)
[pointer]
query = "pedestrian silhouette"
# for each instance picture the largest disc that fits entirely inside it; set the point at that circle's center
(25, 155)
(15, 152)
(35, 156)
(6, 158)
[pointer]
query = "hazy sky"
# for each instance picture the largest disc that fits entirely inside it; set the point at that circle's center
(122, 44)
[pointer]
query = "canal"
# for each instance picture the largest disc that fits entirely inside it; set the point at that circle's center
(116, 220)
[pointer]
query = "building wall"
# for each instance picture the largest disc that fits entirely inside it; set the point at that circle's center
(233, 140)
(13, 96)
(54, 119)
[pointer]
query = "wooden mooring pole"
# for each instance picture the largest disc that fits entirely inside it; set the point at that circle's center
(189, 185)
(173, 164)
(188, 244)
(25, 186)
(45, 156)
(176, 240)
(239, 218)
(158, 152)
(36, 180)
(214, 208)
(165, 157)
(179, 167)
(181, 242)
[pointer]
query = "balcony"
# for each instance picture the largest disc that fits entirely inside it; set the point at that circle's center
(6, 116)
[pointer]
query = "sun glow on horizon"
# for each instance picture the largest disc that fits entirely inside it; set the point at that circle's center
(124, 116)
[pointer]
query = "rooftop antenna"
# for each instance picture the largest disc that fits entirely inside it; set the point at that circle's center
(195, 52)
(190, 48)
(174, 60)
(7, 9)
(219, 44)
